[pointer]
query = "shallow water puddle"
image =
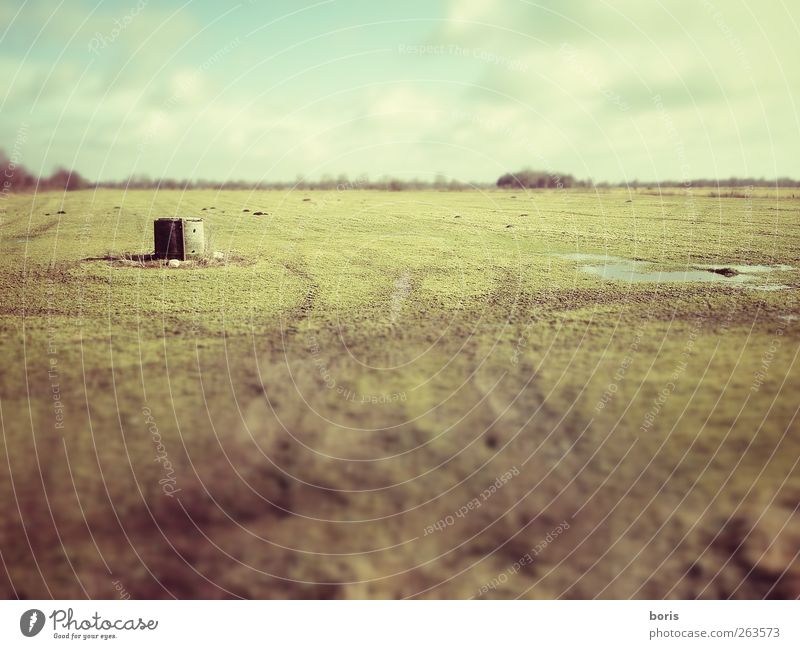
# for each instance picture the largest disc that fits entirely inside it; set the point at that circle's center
(621, 269)
(746, 268)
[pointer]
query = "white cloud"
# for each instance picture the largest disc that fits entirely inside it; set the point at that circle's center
(147, 103)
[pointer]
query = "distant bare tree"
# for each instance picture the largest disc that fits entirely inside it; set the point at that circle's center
(530, 179)
(65, 179)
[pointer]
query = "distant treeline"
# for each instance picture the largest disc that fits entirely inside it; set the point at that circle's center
(530, 179)
(15, 177)
(325, 183)
(733, 181)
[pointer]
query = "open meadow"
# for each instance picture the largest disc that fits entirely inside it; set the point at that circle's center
(402, 394)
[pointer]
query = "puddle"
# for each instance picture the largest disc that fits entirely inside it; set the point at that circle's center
(746, 268)
(637, 273)
(621, 269)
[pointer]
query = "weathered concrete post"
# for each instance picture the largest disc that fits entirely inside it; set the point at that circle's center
(194, 242)
(177, 238)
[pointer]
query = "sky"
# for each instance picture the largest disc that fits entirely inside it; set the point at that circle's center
(273, 89)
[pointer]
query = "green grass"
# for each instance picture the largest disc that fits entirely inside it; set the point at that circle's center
(364, 364)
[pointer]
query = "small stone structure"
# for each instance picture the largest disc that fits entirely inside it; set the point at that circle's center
(179, 238)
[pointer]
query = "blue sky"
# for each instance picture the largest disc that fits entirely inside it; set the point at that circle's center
(472, 88)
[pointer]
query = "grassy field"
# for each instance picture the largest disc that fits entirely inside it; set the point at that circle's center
(401, 395)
